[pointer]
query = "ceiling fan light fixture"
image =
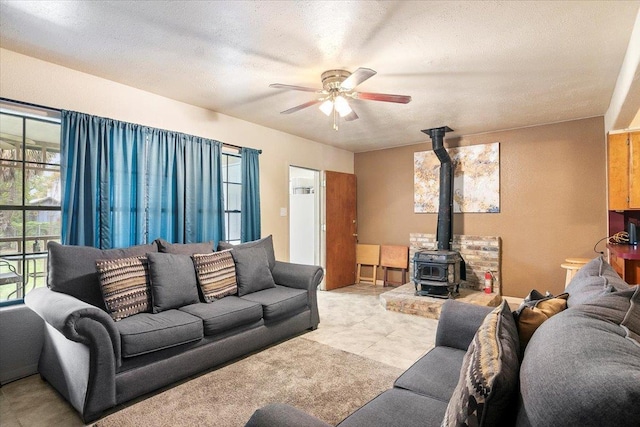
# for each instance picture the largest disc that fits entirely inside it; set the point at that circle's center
(327, 107)
(342, 106)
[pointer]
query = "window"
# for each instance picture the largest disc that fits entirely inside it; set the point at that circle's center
(29, 198)
(232, 190)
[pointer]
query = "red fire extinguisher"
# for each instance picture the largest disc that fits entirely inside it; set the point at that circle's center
(488, 282)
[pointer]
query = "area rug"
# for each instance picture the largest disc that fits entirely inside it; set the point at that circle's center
(321, 380)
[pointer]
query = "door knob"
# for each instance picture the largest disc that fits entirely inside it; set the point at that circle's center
(355, 235)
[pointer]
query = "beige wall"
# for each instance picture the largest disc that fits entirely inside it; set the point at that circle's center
(27, 79)
(552, 199)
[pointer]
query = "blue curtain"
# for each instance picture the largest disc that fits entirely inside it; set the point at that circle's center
(126, 184)
(250, 208)
(204, 210)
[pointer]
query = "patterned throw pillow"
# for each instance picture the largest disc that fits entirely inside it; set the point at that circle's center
(216, 273)
(489, 376)
(125, 286)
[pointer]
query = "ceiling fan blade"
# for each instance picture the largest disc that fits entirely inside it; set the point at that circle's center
(351, 116)
(385, 97)
(291, 87)
(357, 77)
(301, 106)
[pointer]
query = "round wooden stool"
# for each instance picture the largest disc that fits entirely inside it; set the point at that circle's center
(572, 265)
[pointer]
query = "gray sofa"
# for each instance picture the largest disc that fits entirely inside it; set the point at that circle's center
(580, 368)
(97, 363)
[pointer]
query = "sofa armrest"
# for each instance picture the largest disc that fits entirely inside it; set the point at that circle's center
(458, 323)
(74, 319)
(301, 277)
(297, 275)
(282, 415)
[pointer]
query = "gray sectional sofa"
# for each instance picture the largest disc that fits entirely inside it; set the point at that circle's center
(96, 362)
(581, 367)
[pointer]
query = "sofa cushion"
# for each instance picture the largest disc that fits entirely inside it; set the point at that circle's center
(184, 248)
(581, 369)
(216, 274)
(631, 321)
(595, 278)
(621, 308)
(225, 314)
(489, 375)
(398, 408)
(252, 270)
(125, 286)
(173, 281)
(279, 301)
(266, 243)
(435, 374)
(147, 332)
(72, 269)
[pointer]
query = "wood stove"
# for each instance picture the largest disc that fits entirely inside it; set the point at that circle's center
(438, 273)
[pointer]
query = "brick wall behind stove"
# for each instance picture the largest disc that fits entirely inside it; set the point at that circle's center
(480, 254)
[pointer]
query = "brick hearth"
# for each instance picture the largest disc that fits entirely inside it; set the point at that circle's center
(404, 300)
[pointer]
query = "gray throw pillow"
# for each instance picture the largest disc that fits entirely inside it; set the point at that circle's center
(72, 269)
(488, 381)
(173, 281)
(252, 270)
(266, 243)
(184, 248)
(594, 279)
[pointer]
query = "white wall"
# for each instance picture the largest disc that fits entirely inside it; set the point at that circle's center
(27, 79)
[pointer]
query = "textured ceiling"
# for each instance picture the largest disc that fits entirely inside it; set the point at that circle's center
(474, 66)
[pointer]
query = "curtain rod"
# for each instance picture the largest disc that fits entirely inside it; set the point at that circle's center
(59, 110)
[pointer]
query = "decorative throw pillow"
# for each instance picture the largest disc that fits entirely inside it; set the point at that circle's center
(252, 270)
(216, 273)
(184, 248)
(535, 309)
(173, 281)
(266, 243)
(489, 375)
(125, 286)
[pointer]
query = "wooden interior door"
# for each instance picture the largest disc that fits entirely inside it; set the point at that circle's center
(341, 234)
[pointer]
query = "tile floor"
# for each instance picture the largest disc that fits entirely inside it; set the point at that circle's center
(351, 319)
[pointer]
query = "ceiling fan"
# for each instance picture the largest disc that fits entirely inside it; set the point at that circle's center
(337, 87)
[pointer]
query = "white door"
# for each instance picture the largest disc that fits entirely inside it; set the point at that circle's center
(304, 216)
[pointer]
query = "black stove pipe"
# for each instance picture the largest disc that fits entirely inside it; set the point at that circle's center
(445, 207)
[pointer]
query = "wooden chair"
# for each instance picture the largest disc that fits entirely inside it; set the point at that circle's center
(394, 258)
(368, 255)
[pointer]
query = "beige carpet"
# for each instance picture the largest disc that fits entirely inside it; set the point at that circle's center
(314, 377)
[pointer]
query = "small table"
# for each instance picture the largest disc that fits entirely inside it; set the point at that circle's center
(29, 259)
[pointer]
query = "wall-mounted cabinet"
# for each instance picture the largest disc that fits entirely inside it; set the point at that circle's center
(623, 168)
